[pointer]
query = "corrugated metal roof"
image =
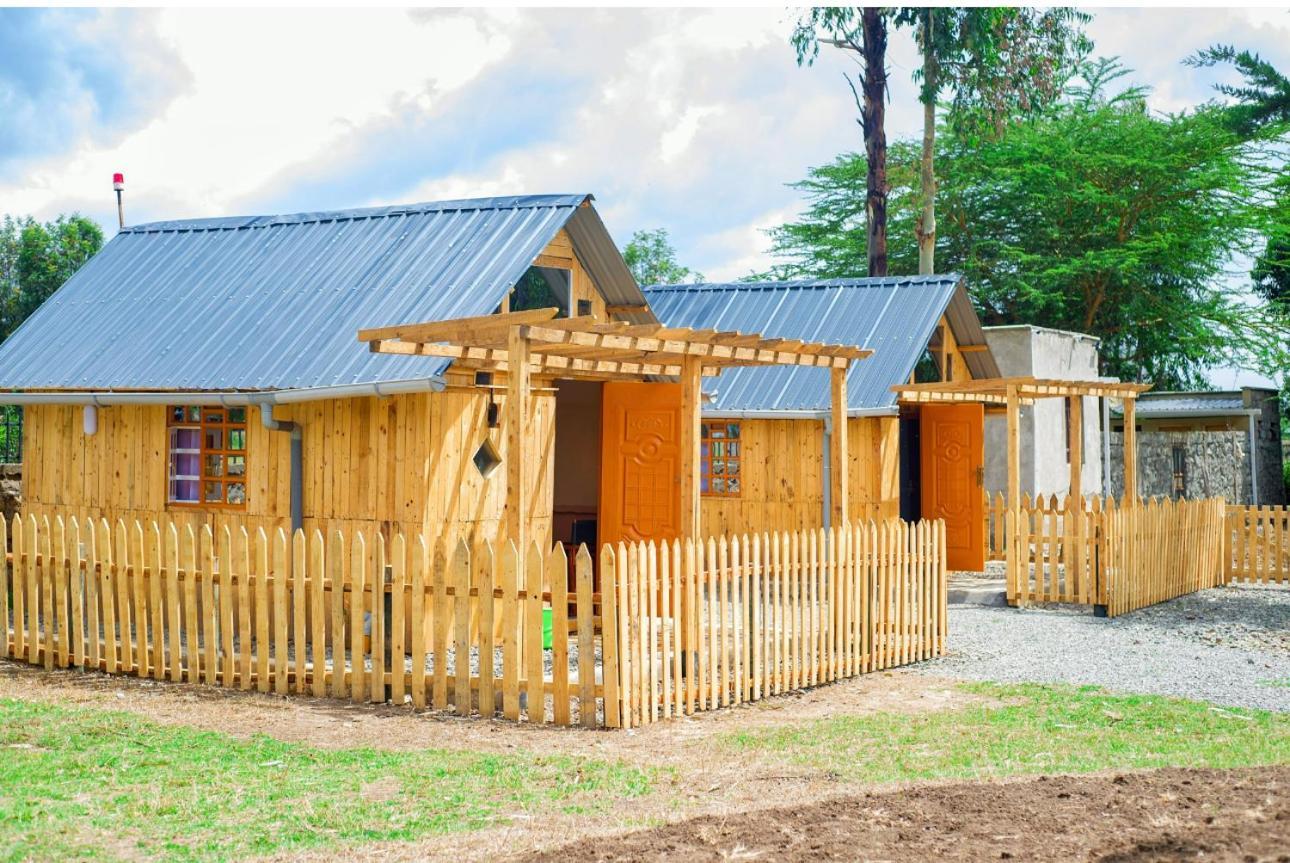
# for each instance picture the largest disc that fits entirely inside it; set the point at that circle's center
(1201, 403)
(275, 302)
(893, 316)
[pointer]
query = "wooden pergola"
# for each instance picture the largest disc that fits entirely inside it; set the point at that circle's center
(526, 343)
(1016, 391)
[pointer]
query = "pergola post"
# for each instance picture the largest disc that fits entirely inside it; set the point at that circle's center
(691, 397)
(839, 452)
(1014, 557)
(1076, 433)
(518, 394)
(1130, 451)
(1014, 449)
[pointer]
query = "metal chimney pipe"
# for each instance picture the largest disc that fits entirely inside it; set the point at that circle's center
(118, 183)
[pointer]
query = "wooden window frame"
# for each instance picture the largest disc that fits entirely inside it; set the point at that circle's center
(708, 477)
(225, 424)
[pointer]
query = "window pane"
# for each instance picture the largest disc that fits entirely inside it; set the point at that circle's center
(194, 414)
(733, 429)
(719, 484)
(185, 439)
(214, 438)
(214, 492)
(183, 491)
(236, 493)
(732, 448)
(733, 485)
(237, 465)
(214, 465)
(177, 414)
(703, 430)
(237, 439)
(237, 415)
(704, 466)
(732, 467)
(214, 416)
(718, 466)
(703, 484)
(718, 448)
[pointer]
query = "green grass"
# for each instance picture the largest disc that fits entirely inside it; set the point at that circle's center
(1030, 728)
(78, 783)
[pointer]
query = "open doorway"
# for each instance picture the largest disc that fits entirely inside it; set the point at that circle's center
(575, 497)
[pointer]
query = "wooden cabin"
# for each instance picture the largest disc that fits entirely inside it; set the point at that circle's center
(212, 371)
(777, 421)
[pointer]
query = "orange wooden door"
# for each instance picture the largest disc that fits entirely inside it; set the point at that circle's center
(952, 468)
(640, 462)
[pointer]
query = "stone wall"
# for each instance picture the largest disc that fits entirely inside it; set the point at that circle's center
(1272, 489)
(1217, 463)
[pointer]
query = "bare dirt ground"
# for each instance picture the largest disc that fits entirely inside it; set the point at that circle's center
(1237, 815)
(697, 778)
(709, 805)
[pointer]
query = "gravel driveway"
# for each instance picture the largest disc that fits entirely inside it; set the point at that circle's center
(1228, 646)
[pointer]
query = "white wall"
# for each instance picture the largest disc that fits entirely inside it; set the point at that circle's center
(1044, 353)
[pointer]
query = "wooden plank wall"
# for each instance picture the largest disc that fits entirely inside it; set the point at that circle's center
(783, 476)
(400, 464)
(307, 615)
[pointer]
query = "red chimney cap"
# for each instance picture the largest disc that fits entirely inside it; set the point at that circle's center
(118, 181)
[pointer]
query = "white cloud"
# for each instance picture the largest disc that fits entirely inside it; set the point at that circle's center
(693, 120)
(268, 89)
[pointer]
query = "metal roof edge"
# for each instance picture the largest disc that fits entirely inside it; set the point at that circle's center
(227, 223)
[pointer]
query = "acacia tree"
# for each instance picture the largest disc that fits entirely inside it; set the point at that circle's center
(863, 31)
(1094, 215)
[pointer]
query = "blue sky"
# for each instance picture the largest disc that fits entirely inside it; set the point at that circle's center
(693, 120)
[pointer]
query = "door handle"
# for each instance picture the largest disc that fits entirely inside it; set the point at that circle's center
(980, 476)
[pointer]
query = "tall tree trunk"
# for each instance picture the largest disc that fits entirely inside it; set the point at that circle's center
(926, 227)
(873, 122)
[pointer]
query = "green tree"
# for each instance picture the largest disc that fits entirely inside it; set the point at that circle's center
(35, 260)
(1260, 106)
(652, 259)
(999, 62)
(1094, 215)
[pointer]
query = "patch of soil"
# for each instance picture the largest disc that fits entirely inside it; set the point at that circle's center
(1172, 814)
(331, 723)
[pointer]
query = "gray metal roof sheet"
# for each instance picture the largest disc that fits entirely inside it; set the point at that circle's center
(275, 302)
(1199, 403)
(893, 316)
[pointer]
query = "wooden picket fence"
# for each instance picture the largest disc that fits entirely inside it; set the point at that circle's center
(1115, 556)
(1162, 549)
(308, 616)
(1059, 546)
(674, 628)
(1258, 544)
(739, 619)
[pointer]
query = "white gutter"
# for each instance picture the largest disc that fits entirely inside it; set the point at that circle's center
(104, 398)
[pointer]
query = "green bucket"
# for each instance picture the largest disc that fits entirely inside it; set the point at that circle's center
(546, 629)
